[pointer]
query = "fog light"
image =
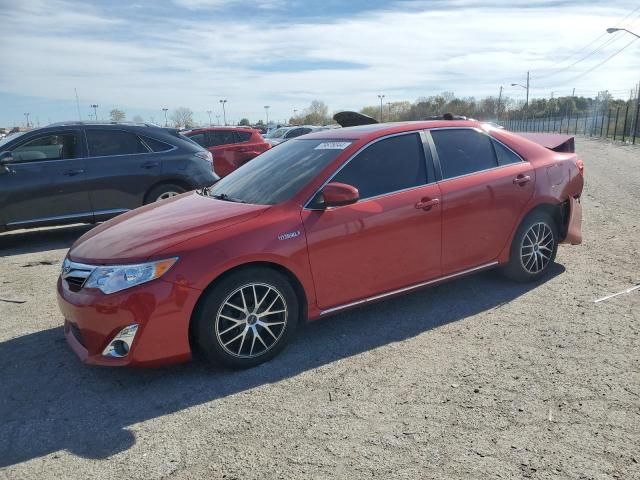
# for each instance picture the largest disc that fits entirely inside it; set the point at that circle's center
(121, 344)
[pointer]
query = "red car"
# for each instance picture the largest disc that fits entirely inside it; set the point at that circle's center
(231, 147)
(323, 223)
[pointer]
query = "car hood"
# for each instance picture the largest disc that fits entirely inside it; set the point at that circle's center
(137, 235)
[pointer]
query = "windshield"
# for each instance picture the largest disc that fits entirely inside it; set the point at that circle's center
(278, 174)
(277, 133)
(9, 138)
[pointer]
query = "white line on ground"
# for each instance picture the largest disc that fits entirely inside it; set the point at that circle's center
(628, 290)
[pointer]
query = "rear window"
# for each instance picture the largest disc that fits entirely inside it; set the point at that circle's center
(103, 143)
(156, 145)
(199, 138)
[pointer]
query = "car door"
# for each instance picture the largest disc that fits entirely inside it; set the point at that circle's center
(390, 238)
(45, 182)
(120, 170)
(485, 187)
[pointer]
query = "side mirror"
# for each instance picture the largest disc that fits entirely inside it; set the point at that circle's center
(338, 194)
(6, 158)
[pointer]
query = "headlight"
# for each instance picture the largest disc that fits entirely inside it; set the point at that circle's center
(111, 279)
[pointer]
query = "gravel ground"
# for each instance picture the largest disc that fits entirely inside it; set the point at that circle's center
(477, 378)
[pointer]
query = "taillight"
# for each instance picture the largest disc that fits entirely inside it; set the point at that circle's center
(205, 155)
(580, 165)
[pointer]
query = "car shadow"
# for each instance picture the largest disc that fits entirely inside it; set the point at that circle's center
(50, 401)
(19, 242)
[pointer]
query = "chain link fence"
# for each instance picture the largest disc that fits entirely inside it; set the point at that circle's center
(618, 124)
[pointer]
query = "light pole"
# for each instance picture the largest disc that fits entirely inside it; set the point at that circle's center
(295, 114)
(381, 97)
(266, 111)
(389, 111)
(218, 119)
(209, 112)
(525, 87)
(499, 102)
(26, 115)
(614, 30)
(224, 112)
(95, 110)
(166, 122)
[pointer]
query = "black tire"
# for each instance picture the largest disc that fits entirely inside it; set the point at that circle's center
(215, 323)
(528, 264)
(160, 192)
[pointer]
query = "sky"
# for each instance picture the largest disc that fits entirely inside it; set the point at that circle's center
(144, 55)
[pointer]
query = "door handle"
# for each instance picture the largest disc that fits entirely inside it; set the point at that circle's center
(521, 179)
(73, 173)
(427, 203)
(149, 164)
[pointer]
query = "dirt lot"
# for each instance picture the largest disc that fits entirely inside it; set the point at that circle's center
(478, 378)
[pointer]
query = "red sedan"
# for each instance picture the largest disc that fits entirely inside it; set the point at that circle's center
(231, 147)
(323, 223)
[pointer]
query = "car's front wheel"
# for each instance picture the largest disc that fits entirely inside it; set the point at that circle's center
(534, 248)
(247, 318)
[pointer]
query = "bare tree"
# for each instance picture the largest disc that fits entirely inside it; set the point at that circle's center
(182, 117)
(117, 115)
(317, 113)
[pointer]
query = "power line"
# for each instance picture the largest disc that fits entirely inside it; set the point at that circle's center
(607, 42)
(603, 62)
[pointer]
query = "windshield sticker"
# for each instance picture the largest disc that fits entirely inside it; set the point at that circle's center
(332, 146)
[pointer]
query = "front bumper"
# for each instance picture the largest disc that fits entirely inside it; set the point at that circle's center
(160, 309)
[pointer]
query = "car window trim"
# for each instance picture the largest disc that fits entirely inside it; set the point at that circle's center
(436, 157)
(35, 136)
(348, 160)
(148, 152)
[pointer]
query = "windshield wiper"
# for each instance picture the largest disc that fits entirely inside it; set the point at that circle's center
(226, 198)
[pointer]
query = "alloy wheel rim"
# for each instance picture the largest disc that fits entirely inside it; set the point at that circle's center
(537, 247)
(166, 195)
(251, 320)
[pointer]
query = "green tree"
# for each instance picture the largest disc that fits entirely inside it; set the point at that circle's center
(245, 122)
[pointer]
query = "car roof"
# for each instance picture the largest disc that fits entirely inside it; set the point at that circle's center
(379, 129)
(226, 129)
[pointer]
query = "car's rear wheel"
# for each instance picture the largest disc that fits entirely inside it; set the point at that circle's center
(534, 248)
(247, 318)
(163, 192)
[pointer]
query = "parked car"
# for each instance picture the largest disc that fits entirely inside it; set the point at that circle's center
(283, 134)
(83, 172)
(231, 147)
(323, 223)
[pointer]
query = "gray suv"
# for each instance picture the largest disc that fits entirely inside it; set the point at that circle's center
(89, 172)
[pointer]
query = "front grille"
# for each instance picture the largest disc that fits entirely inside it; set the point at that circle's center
(75, 274)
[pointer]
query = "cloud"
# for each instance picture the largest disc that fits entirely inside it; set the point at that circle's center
(144, 58)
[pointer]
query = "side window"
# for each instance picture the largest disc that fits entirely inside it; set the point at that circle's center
(103, 143)
(296, 132)
(156, 145)
(463, 151)
(386, 166)
(243, 136)
(505, 156)
(200, 139)
(48, 147)
(222, 137)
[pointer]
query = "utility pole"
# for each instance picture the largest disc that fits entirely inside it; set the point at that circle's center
(166, 122)
(381, 97)
(77, 105)
(209, 112)
(266, 110)
(499, 102)
(224, 112)
(527, 102)
(95, 110)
